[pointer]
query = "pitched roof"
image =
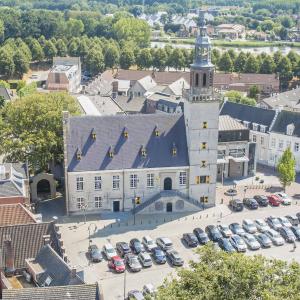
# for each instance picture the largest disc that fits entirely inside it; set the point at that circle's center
(226, 123)
(284, 119)
(8, 189)
(135, 104)
(248, 113)
(49, 263)
(127, 151)
(26, 239)
(71, 292)
(12, 214)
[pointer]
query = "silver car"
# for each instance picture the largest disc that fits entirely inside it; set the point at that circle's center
(261, 225)
(251, 242)
(238, 243)
(145, 259)
(133, 262)
(249, 226)
(285, 222)
(148, 243)
(264, 240)
(275, 237)
(164, 243)
(224, 229)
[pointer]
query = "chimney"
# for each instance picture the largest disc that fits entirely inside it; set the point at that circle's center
(73, 272)
(9, 260)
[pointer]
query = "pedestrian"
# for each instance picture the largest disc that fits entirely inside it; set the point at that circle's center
(294, 246)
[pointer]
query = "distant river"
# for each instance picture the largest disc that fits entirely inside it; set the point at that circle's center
(257, 50)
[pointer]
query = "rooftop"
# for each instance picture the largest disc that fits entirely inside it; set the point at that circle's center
(13, 214)
(284, 119)
(226, 123)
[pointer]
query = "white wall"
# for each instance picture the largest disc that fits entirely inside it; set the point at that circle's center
(262, 146)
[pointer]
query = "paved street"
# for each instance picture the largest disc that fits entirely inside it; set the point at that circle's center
(75, 236)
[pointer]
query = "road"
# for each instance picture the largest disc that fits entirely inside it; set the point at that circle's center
(75, 237)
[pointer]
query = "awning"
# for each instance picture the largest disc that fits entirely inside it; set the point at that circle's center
(240, 159)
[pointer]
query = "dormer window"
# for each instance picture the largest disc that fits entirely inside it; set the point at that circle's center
(93, 135)
(111, 152)
(203, 145)
(143, 151)
(204, 125)
(262, 128)
(78, 154)
(125, 133)
(255, 126)
(174, 150)
(290, 129)
(246, 124)
(203, 164)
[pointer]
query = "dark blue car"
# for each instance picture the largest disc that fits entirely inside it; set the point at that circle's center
(158, 255)
(225, 245)
(250, 203)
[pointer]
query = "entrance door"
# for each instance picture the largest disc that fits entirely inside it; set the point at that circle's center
(116, 206)
(169, 207)
(168, 184)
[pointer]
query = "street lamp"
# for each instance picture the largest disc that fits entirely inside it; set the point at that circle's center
(83, 208)
(89, 229)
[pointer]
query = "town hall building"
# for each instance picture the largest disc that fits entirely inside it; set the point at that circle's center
(147, 163)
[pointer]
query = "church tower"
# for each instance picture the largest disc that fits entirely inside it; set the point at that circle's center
(201, 111)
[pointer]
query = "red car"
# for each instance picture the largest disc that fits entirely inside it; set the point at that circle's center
(274, 200)
(117, 264)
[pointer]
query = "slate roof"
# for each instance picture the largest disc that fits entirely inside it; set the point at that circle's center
(127, 151)
(248, 113)
(8, 189)
(226, 123)
(55, 267)
(284, 119)
(27, 240)
(131, 105)
(70, 292)
(12, 214)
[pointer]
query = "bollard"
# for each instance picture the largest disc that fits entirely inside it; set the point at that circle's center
(207, 216)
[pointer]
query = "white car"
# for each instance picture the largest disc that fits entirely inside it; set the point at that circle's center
(251, 241)
(275, 237)
(149, 289)
(261, 225)
(249, 226)
(109, 251)
(285, 199)
(164, 243)
(285, 222)
(145, 259)
(148, 243)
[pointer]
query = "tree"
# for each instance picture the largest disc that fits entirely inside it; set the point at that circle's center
(254, 91)
(286, 168)
(230, 276)
(21, 63)
(7, 65)
(159, 59)
(285, 72)
(215, 56)
(177, 59)
(61, 48)
(252, 65)
(144, 59)
(31, 128)
(95, 60)
(112, 57)
(225, 63)
(4, 84)
(74, 28)
(237, 97)
(49, 50)
(240, 62)
(268, 65)
(36, 50)
(127, 58)
(283, 33)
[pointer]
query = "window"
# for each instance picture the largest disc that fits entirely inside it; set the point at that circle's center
(204, 125)
(202, 179)
(98, 202)
(254, 138)
(280, 146)
(255, 126)
(273, 143)
(204, 80)
(79, 183)
(262, 128)
(203, 164)
(98, 184)
(262, 140)
(150, 180)
(80, 203)
(271, 157)
(203, 145)
(296, 147)
(78, 154)
(290, 129)
(204, 199)
(116, 182)
(143, 152)
(133, 181)
(48, 281)
(57, 77)
(197, 79)
(182, 178)
(246, 124)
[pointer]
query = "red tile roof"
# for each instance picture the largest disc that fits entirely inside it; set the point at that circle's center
(13, 214)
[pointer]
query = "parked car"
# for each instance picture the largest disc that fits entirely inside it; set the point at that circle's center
(225, 245)
(122, 248)
(249, 226)
(285, 222)
(133, 262)
(148, 289)
(213, 233)
(275, 237)
(293, 219)
(164, 243)
(95, 253)
(201, 236)
(264, 240)
(236, 205)
(238, 243)
(224, 229)
(236, 228)
(109, 251)
(145, 259)
(274, 223)
(158, 255)
(296, 232)
(190, 239)
(136, 246)
(135, 295)
(285, 199)
(261, 225)
(261, 200)
(251, 241)
(287, 234)
(274, 200)
(231, 192)
(251, 203)
(148, 243)
(117, 264)
(174, 258)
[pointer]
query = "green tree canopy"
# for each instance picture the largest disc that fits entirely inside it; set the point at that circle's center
(235, 96)
(127, 58)
(221, 275)
(268, 65)
(144, 59)
(286, 168)
(225, 63)
(49, 50)
(95, 60)
(285, 71)
(112, 57)
(252, 65)
(31, 128)
(240, 62)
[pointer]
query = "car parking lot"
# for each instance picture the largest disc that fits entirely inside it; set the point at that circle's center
(113, 284)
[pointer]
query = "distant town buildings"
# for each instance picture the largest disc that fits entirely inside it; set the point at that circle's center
(230, 31)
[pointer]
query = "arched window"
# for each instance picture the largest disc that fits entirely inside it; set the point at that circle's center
(204, 79)
(197, 79)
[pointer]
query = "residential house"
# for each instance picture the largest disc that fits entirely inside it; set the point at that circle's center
(230, 31)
